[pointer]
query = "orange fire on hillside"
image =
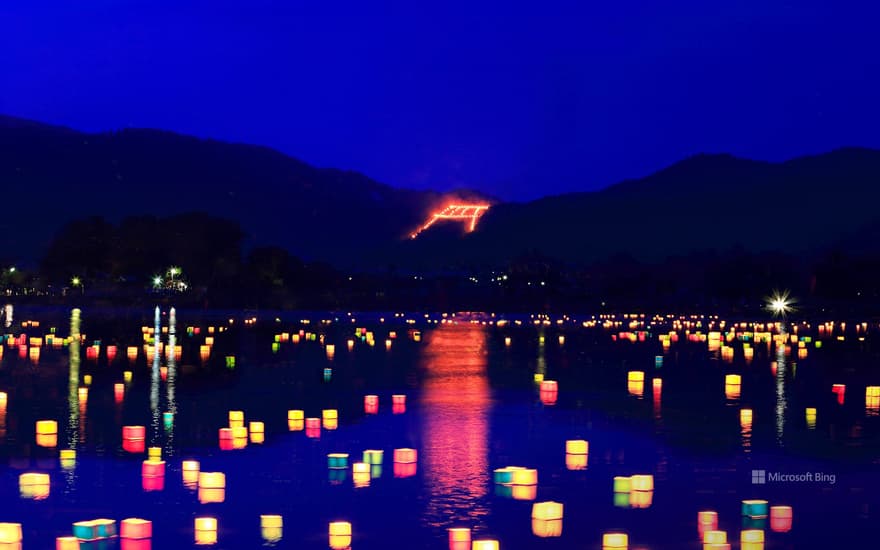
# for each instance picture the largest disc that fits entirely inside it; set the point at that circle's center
(467, 213)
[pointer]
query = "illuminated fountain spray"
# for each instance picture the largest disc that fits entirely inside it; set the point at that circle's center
(73, 403)
(154, 378)
(171, 413)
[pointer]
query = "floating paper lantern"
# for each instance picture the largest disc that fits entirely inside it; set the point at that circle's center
(405, 455)
(733, 380)
(236, 419)
(131, 352)
(34, 486)
(66, 543)
(400, 399)
(459, 538)
(525, 476)
(340, 535)
(840, 391)
(212, 480)
(190, 473)
(706, 521)
(47, 427)
(330, 417)
(635, 376)
(642, 482)
(780, 519)
(523, 492)
(576, 462)
(337, 460)
(745, 417)
(504, 476)
(67, 454)
(754, 508)
(373, 456)
(371, 404)
(239, 432)
(714, 536)
(547, 510)
(751, 539)
(810, 414)
(206, 531)
(135, 528)
(615, 541)
(224, 434)
(271, 527)
(10, 532)
(577, 447)
(87, 379)
(507, 341)
(154, 453)
(485, 544)
(622, 484)
(549, 386)
(118, 392)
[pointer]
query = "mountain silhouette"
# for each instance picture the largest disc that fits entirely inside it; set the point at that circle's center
(51, 175)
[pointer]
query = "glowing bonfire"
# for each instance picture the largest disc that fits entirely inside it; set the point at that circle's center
(468, 214)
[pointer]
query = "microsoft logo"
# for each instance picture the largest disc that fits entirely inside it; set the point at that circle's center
(759, 477)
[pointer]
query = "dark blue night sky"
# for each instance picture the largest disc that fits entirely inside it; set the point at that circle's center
(516, 99)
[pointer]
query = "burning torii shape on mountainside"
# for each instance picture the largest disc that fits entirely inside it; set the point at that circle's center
(466, 213)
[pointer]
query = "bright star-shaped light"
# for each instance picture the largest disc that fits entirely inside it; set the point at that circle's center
(157, 281)
(75, 281)
(780, 304)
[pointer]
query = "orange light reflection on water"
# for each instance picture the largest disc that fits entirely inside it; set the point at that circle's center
(456, 402)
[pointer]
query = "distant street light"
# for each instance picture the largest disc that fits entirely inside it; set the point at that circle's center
(780, 304)
(157, 281)
(77, 282)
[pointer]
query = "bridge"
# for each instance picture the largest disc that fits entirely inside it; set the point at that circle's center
(468, 214)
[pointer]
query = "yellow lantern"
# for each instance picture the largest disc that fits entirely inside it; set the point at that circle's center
(47, 427)
(745, 417)
(485, 544)
(642, 482)
(236, 419)
(525, 476)
(154, 453)
(577, 447)
(547, 510)
(714, 536)
(616, 541)
(635, 376)
(34, 486)
(10, 532)
(206, 531)
(340, 535)
(212, 480)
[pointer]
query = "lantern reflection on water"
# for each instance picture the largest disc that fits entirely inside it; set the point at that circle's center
(340, 535)
(576, 462)
(360, 474)
(67, 543)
